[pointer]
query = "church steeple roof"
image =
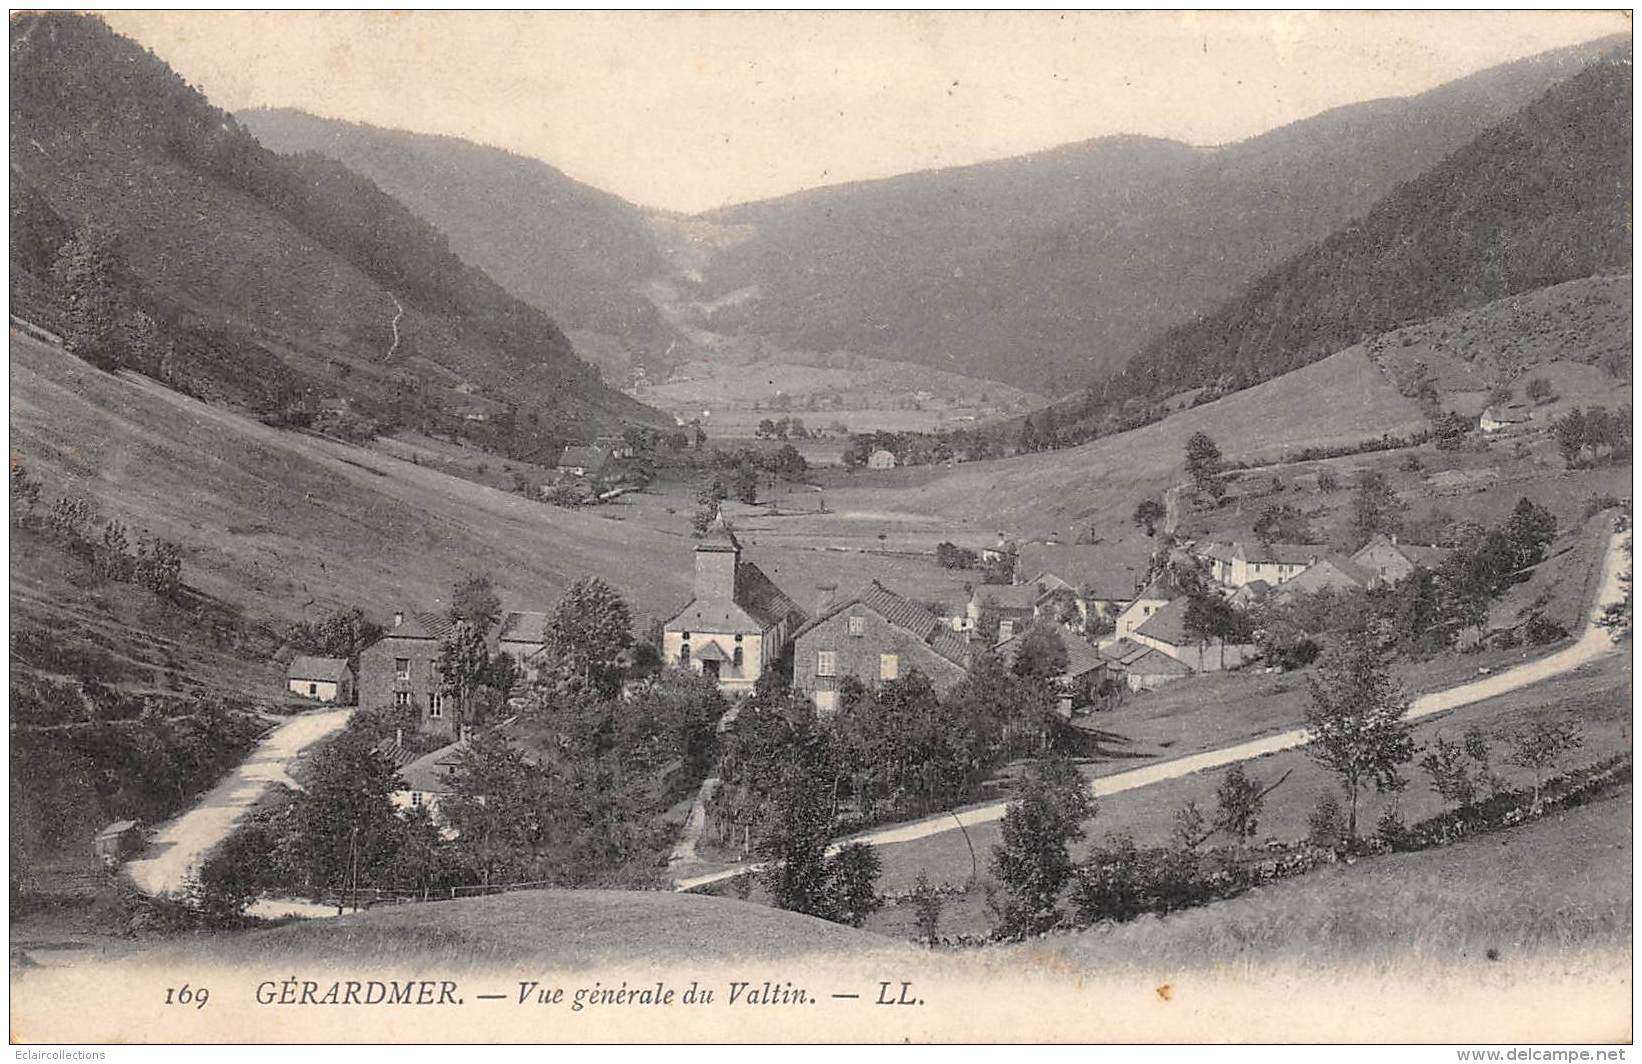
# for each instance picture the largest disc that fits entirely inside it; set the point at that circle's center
(718, 536)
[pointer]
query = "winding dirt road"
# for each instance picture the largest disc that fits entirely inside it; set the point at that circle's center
(178, 848)
(1593, 643)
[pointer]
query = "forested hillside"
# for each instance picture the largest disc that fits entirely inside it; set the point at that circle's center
(1051, 269)
(1538, 199)
(577, 253)
(265, 280)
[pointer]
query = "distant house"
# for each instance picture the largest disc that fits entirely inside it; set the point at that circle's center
(997, 552)
(1387, 561)
(520, 636)
(1147, 601)
(1142, 668)
(874, 635)
(1242, 563)
(583, 461)
(738, 624)
(1103, 581)
(1014, 605)
(334, 404)
(1165, 631)
(1496, 418)
(881, 459)
(117, 841)
(1330, 572)
(614, 446)
(426, 781)
(402, 669)
(321, 679)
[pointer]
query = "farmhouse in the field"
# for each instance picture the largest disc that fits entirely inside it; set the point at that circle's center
(1330, 572)
(583, 461)
(881, 459)
(738, 624)
(874, 635)
(321, 679)
(1387, 561)
(1497, 418)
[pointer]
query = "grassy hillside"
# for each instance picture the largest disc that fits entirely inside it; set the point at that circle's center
(579, 254)
(1541, 198)
(555, 930)
(275, 520)
(274, 280)
(1051, 269)
(1343, 399)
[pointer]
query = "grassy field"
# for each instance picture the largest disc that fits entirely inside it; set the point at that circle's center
(1597, 697)
(557, 929)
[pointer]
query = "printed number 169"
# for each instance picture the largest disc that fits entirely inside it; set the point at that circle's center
(186, 995)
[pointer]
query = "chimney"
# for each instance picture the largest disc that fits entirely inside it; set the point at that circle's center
(399, 738)
(1393, 539)
(398, 618)
(824, 594)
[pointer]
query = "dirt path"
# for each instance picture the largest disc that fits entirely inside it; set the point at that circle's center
(178, 848)
(1593, 643)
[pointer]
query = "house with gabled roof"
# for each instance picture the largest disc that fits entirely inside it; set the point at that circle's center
(1165, 631)
(1387, 561)
(1013, 604)
(1495, 418)
(580, 461)
(874, 635)
(1147, 601)
(1103, 580)
(1330, 572)
(1239, 563)
(1143, 668)
(739, 622)
(321, 679)
(402, 669)
(522, 636)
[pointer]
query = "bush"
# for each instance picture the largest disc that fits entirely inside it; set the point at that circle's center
(1326, 825)
(1541, 630)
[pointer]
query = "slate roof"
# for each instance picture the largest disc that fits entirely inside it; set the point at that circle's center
(1428, 557)
(1168, 624)
(522, 626)
(431, 772)
(1278, 553)
(591, 459)
(1330, 571)
(422, 625)
(307, 667)
(1007, 596)
(906, 615)
(1130, 656)
(758, 595)
(1099, 571)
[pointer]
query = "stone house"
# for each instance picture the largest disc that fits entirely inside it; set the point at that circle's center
(874, 635)
(738, 624)
(402, 669)
(1243, 563)
(1014, 605)
(321, 679)
(1147, 601)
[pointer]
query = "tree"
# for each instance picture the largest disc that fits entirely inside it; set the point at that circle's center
(708, 501)
(853, 881)
(1375, 507)
(926, 909)
(348, 829)
(1042, 655)
(1148, 514)
(1357, 723)
(464, 662)
(1615, 618)
(588, 631)
(794, 840)
(1282, 524)
(85, 269)
(1537, 746)
(474, 602)
(1204, 465)
(1238, 802)
(1446, 762)
(1530, 529)
(1538, 389)
(1032, 860)
(744, 483)
(159, 566)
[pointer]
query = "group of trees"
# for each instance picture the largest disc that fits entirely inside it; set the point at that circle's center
(1594, 436)
(155, 563)
(782, 428)
(101, 323)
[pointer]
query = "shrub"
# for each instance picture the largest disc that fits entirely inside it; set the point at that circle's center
(926, 908)
(1541, 630)
(1326, 825)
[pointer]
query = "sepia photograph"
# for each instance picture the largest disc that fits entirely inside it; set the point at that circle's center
(820, 526)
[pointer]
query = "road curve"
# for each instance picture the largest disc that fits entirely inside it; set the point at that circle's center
(177, 849)
(1594, 642)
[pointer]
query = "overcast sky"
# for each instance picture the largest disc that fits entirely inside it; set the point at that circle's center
(690, 111)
